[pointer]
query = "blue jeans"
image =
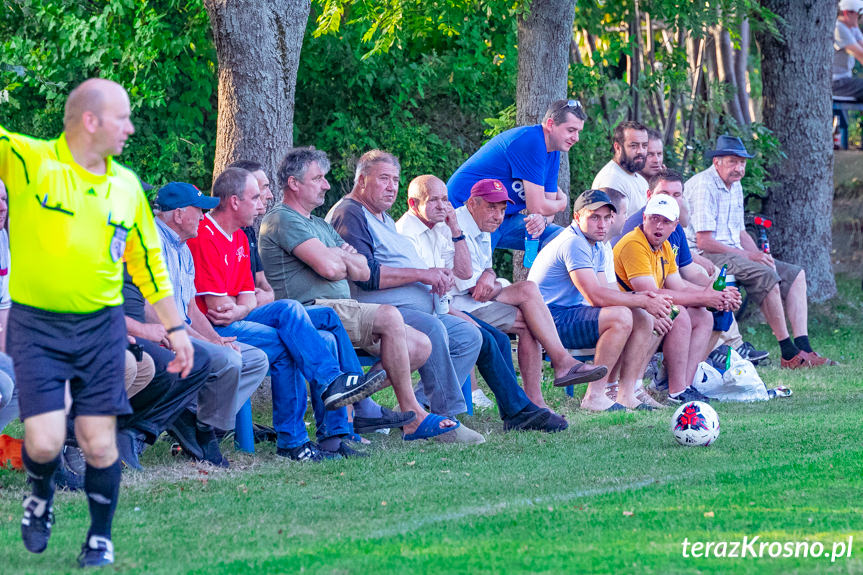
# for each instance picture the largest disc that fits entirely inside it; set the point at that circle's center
(495, 366)
(510, 234)
(287, 333)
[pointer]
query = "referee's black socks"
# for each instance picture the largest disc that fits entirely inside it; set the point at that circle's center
(41, 476)
(102, 487)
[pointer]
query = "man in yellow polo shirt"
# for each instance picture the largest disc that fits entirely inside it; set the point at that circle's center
(74, 213)
(645, 261)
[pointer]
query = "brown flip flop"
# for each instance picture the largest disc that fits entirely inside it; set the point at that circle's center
(581, 373)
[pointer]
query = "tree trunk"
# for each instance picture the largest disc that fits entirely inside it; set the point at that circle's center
(726, 70)
(797, 107)
(741, 64)
(258, 43)
(544, 37)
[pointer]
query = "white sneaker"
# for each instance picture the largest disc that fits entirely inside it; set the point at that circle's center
(480, 399)
(461, 434)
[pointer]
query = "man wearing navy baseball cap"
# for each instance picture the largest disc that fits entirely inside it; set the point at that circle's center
(236, 369)
(180, 195)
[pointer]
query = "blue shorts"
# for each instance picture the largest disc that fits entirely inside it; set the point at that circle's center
(722, 320)
(89, 350)
(577, 326)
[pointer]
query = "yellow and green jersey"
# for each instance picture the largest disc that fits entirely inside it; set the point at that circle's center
(69, 229)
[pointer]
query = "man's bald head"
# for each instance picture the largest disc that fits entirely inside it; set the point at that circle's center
(91, 96)
(420, 187)
(427, 199)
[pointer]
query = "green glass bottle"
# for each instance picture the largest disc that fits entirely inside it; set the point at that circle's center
(719, 282)
(674, 312)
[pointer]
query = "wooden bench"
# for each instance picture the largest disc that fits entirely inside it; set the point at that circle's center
(841, 106)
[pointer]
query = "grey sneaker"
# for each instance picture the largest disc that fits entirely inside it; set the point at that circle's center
(748, 351)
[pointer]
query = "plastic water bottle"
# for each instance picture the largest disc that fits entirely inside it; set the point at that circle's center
(531, 248)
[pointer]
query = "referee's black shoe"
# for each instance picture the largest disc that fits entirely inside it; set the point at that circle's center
(347, 389)
(36, 523)
(96, 552)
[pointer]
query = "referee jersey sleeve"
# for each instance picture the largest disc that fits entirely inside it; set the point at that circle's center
(144, 254)
(18, 155)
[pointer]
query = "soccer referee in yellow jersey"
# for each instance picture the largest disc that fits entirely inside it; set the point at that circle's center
(74, 214)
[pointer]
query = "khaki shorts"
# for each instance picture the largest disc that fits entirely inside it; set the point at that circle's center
(758, 279)
(358, 319)
(496, 314)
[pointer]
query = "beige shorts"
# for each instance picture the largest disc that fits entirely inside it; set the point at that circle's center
(496, 314)
(758, 279)
(358, 319)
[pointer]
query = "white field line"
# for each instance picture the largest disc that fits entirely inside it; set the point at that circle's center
(511, 505)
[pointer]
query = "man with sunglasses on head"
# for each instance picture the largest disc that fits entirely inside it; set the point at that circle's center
(526, 160)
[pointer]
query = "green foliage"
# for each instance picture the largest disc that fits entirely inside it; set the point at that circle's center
(160, 50)
(420, 100)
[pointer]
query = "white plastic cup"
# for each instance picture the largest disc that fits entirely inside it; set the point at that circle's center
(441, 303)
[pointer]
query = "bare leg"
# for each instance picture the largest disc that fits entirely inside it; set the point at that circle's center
(639, 348)
(403, 349)
(529, 363)
(773, 312)
(44, 435)
(797, 306)
(97, 437)
(676, 349)
(615, 327)
(699, 346)
(525, 295)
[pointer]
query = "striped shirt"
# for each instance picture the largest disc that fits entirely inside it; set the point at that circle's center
(70, 229)
(714, 208)
(181, 267)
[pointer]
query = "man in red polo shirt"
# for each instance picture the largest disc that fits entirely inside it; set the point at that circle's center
(284, 329)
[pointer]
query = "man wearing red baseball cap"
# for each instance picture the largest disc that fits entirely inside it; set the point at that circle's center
(516, 308)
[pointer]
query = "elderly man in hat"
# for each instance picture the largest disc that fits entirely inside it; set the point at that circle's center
(717, 230)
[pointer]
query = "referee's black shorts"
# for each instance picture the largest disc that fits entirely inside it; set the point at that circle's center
(88, 350)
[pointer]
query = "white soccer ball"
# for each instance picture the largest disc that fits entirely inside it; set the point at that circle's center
(695, 424)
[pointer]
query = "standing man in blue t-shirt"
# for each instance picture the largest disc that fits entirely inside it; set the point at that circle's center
(526, 159)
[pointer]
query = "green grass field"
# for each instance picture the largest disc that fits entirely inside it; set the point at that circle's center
(613, 494)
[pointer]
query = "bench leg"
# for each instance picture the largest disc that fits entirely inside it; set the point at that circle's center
(468, 395)
(244, 434)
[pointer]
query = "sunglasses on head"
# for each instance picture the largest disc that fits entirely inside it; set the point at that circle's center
(576, 104)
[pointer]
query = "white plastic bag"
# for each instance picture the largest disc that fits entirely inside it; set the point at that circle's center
(739, 383)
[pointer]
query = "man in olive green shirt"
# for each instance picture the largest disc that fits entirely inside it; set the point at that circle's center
(305, 259)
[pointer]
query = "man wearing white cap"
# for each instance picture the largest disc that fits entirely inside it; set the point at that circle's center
(645, 261)
(847, 47)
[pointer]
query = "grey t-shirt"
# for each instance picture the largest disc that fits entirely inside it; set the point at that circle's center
(380, 242)
(843, 62)
(282, 230)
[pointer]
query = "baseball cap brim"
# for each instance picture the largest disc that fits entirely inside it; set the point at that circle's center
(205, 202)
(596, 205)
